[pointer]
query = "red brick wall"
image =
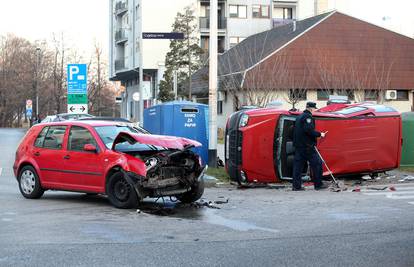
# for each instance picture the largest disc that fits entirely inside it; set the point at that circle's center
(341, 52)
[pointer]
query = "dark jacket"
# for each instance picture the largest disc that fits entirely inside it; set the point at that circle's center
(304, 135)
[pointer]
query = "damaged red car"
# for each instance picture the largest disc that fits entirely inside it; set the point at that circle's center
(362, 139)
(125, 163)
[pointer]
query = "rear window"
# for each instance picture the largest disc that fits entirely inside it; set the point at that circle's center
(54, 137)
(347, 111)
(41, 137)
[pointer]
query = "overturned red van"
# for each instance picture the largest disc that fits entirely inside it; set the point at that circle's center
(362, 138)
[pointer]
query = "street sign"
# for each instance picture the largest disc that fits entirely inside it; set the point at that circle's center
(78, 108)
(163, 35)
(29, 108)
(29, 104)
(77, 99)
(77, 79)
(77, 88)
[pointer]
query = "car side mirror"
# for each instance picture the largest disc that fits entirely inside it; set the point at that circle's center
(90, 148)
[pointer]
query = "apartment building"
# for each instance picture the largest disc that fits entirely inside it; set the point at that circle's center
(123, 48)
(239, 19)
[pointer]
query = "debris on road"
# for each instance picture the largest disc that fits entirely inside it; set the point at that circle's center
(407, 178)
(378, 189)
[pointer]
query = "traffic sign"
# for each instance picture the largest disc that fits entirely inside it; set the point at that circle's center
(77, 88)
(78, 108)
(77, 99)
(163, 35)
(77, 79)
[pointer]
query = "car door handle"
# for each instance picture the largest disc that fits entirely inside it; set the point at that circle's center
(66, 157)
(37, 154)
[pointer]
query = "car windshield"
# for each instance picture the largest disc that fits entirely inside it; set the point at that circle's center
(350, 110)
(109, 133)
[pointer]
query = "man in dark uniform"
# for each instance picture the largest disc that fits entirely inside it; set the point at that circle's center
(304, 141)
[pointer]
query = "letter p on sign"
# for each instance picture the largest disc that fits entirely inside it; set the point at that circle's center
(72, 71)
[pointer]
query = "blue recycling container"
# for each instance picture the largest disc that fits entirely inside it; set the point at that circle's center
(180, 118)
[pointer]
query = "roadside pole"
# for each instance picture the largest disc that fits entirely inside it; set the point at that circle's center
(175, 84)
(212, 94)
(141, 66)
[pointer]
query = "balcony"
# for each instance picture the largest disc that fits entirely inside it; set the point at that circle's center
(121, 36)
(119, 64)
(221, 23)
(121, 7)
(281, 22)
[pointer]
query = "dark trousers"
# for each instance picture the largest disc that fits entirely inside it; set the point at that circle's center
(303, 155)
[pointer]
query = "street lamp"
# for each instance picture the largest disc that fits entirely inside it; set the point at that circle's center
(38, 50)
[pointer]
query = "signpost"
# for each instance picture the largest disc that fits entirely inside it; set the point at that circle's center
(77, 88)
(29, 108)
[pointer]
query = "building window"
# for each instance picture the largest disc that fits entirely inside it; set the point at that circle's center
(237, 11)
(347, 92)
(219, 107)
(323, 94)
(260, 11)
(371, 95)
(297, 94)
(235, 40)
(283, 13)
(402, 95)
(204, 11)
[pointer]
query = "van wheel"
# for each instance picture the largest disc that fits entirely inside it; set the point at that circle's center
(29, 183)
(194, 194)
(120, 193)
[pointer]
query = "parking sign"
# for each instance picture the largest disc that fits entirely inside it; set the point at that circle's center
(77, 79)
(77, 88)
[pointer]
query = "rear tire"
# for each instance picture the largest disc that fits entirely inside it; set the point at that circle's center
(120, 193)
(29, 183)
(194, 194)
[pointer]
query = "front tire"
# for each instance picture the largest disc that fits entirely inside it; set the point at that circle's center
(194, 194)
(120, 193)
(29, 183)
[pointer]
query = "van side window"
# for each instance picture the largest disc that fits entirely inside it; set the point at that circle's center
(79, 137)
(54, 137)
(41, 137)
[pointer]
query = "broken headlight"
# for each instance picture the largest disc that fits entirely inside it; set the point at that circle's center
(244, 119)
(150, 163)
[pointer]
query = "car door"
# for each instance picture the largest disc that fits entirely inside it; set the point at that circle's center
(48, 152)
(83, 170)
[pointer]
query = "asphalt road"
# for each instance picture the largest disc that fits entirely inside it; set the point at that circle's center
(257, 227)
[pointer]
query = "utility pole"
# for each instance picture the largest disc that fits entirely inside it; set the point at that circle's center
(189, 58)
(175, 84)
(212, 94)
(36, 82)
(141, 66)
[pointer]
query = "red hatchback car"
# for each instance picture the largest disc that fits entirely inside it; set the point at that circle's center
(123, 162)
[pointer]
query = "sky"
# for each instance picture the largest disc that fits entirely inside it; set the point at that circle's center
(81, 21)
(84, 21)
